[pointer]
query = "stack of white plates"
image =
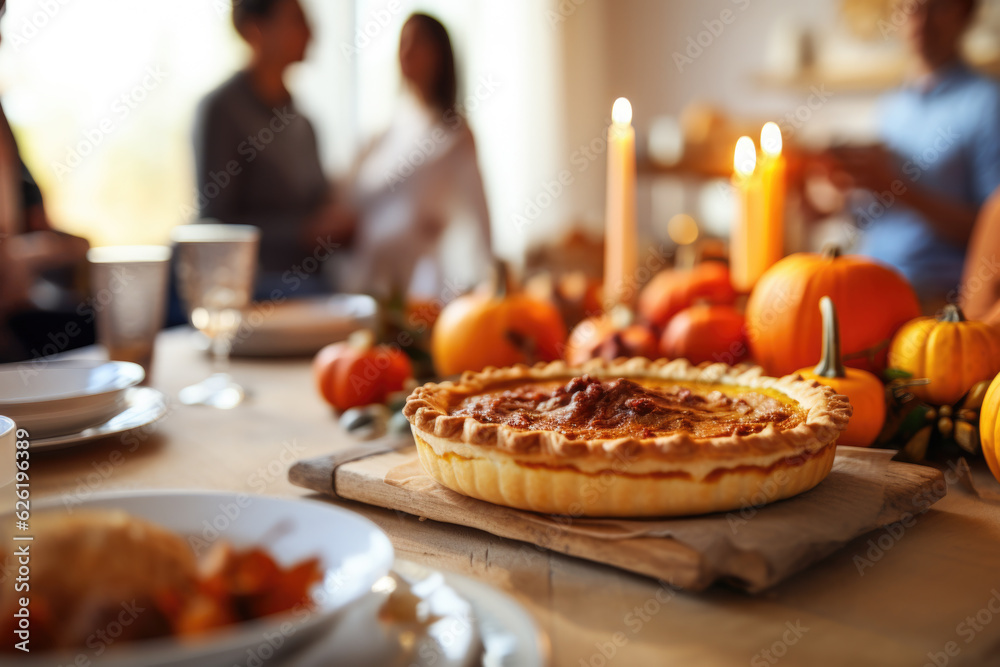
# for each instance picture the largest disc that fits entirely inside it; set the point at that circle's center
(59, 402)
(299, 327)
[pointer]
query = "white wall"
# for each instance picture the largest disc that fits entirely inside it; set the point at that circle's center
(627, 48)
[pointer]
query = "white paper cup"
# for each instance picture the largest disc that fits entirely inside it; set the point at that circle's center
(129, 291)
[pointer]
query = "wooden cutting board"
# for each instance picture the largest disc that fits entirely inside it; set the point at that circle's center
(908, 490)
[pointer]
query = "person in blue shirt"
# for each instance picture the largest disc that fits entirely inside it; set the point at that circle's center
(939, 160)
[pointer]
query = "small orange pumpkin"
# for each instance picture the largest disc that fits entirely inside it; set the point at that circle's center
(610, 336)
(706, 332)
(783, 319)
(863, 389)
(989, 427)
(950, 351)
(672, 290)
(498, 326)
(357, 372)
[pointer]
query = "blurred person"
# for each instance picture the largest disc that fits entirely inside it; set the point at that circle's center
(40, 311)
(417, 186)
(979, 296)
(257, 160)
(939, 160)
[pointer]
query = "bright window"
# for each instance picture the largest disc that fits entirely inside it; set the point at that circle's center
(101, 96)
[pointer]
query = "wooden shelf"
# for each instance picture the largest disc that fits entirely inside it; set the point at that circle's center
(877, 79)
(686, 167)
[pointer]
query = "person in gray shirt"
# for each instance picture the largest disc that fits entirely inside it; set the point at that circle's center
(257, 160)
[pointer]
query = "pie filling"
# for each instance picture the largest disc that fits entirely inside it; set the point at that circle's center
(587, 408)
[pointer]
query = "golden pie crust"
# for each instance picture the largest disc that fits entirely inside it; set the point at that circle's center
(743, 439)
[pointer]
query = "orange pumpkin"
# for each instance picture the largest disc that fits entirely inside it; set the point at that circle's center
(948, 350)
(706, 332)
(357, 372)
(498, 326)
(610, 336)
(989, 427)
(863, 389)
(783, 319)
(672, 290)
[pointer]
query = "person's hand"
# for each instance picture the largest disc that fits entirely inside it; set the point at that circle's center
(866, 167)
(333, 220)
(48, 249)
(16, 278)
(72, 249)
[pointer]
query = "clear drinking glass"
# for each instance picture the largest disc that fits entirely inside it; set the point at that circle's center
(129, 289)
(216, 264)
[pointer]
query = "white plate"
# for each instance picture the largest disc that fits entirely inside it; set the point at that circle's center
(510, 636)
(506, 634)
(448, 637)
(49, 398)
(141, 407)
(301, 327)
(354, 554)
(40, 381)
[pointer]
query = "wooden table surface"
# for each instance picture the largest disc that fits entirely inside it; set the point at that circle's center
(924, 594)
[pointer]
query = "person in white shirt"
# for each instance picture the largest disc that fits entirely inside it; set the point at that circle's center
(419, 183)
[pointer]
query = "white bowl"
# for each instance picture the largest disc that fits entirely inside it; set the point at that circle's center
(49, 398)
(354, 553)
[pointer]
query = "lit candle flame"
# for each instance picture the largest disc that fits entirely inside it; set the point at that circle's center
(621, 112)
(770, 139)
(745, 157)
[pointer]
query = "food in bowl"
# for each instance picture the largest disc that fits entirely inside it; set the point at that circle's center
(105, 571)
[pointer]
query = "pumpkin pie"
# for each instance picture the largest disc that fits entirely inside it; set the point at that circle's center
(631, 437)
